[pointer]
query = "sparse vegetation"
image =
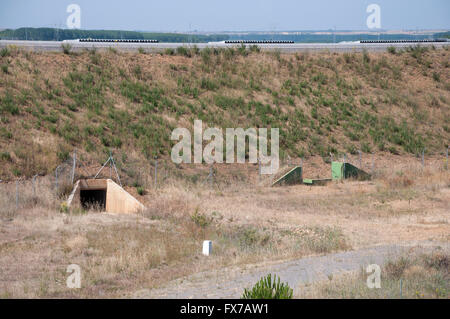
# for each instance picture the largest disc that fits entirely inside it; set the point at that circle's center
(269, 288)
(412, 277)
(127, 104)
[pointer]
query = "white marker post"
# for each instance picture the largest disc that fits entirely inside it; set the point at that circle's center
(207, 247)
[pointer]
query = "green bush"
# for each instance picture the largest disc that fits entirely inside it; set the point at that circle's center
(200, 219)
(266, 288)
(4, 52)
(391, 50)
(66, 48)
(140, 190)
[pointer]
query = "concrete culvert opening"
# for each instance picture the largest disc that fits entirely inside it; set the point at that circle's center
(103, 195)
(93, 199)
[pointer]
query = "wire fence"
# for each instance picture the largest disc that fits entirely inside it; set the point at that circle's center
(48, 190)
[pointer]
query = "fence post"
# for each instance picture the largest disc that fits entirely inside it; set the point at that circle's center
(156, 172)
(74, 164)
(446, 162)
(423, 158)
(360, 159)
(110, 165)
(331, 157)
(373, 160)
(56, 179)
(33, 181)
(259, 169)
(17, 194)
(210, 175)
(345, 159)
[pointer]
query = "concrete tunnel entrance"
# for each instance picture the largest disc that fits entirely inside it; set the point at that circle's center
(104, 195)
(93, 198)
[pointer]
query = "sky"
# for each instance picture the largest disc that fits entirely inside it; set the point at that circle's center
(227, 15)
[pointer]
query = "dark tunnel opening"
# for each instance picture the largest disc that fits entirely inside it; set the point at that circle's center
(93, 199)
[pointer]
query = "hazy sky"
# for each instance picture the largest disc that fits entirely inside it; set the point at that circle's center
(227, 15)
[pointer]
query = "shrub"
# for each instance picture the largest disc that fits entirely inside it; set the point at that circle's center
(391, 50)
(170, 51)
(436, 77)
(66, 47)
(4, 52)
(200, 219)
(140, 190)
(184, 52)
(266, 288)
(5, 68)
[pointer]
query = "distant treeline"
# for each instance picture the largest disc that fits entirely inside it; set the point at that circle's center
(442, 35)
(53, 34)
(330, 38)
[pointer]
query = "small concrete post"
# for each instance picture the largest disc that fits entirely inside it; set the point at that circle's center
(207, 247)
(331, 157)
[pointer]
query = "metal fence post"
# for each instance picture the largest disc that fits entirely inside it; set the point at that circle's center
(74, 164)
(33, 181)
(423, 158)
(211, 175)
(446, 162)
(156, 172)
(56, 180)
(373, 160)
(17, 194)
(360, 159)
(259, 168)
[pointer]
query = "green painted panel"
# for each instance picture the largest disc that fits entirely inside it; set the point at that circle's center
(294, 176)
(346, 170)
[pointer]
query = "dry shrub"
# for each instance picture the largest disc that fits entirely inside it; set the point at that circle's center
(399, 181)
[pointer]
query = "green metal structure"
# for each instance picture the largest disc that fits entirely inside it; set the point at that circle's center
(294, 176)
(316, 182)
(346, 170)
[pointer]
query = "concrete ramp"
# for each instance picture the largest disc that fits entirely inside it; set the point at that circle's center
(104, 195)
(294, 176)
(346, 170)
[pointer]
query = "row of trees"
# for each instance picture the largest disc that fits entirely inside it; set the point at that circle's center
(53, 34)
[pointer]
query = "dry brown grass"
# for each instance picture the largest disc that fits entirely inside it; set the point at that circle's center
(415, 276)
(247, 223)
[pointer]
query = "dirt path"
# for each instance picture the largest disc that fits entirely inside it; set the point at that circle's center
(230, 283)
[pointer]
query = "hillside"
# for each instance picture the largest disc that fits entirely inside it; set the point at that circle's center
(52, 103)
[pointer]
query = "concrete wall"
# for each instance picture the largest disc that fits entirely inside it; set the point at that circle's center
(118, 200)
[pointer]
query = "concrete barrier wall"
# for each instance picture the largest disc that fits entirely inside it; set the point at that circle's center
(118, 200)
